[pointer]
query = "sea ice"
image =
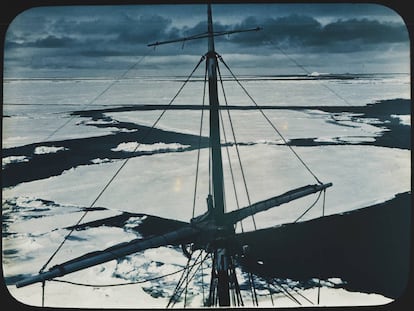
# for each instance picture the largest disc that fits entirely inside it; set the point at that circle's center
(46, 149)
(13, 159)
(360, 175)
(404, 119)
(135, 146)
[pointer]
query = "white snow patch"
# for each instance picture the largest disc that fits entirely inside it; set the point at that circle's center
(96, 122)
(135, 146)
(357, 139)
(13, 159)
(316, 74)
(405, 119)
(47, 149)
(335, 281)
(99, 160)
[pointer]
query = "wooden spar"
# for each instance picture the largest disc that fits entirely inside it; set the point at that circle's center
(208, 230)
(199, 227)
(238, 215)
(183, 235)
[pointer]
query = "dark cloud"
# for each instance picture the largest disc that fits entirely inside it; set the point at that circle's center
(72, 37)
(365, 30)
(53, 42)
(306, 33)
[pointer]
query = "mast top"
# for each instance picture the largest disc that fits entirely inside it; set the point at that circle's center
(210, 30)
(209, 34)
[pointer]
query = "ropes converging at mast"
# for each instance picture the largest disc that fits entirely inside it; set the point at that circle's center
(100, 94)
(179, 290)
(112, 178)
(212, 232)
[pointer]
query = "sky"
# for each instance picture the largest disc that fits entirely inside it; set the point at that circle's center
(77, 41)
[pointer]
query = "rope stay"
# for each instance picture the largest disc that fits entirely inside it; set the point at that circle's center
(125, 283)
(310, 207)
(231, 169)
(109, 182)
(183, 283)
(236, 145)
(269, 121)
(199, 143)
(99, 95)
(186, 278)
(294, 61)
(286, 293)
(253, 289)
(323, 214)
(187, 272)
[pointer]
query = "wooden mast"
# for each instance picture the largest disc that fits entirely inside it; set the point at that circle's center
(216, 158)
(215, 226)
(221, 256)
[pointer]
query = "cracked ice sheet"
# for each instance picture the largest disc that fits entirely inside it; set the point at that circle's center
(23, 130)
(292, 124)
(163, 184)
(134, 296)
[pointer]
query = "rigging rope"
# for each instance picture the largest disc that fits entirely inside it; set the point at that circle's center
(270, 122)
(236, 146)
(284, 291)
(270, 291)
(309, 73)
(122, 284)
(43, 293)
(199, 142)
(310, 207)
(300, 294)
(99, 95)
(178, 290)
(323, 214)
(253, 289)
(122, 166)
(231, 169)
(187, 280)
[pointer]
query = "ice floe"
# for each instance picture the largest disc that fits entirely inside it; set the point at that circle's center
(48, 149)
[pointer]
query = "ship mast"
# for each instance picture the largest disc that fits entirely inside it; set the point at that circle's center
(214, 229)
(220, 254)
(216, 158)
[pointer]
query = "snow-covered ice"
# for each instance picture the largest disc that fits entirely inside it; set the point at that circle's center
(13, 159)
(404, 119)
(162, 184)
(46, 149)
(135, 146)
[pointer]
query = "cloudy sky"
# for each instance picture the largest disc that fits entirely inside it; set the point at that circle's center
(106, 40)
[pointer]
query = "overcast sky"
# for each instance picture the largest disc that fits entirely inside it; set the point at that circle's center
(106, 40)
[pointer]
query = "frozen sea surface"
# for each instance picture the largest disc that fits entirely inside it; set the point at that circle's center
(43, 119)
(361, 176)
(35, 109)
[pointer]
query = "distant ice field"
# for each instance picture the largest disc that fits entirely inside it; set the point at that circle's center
(39, 110)
(33, 109)
(161, 182)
